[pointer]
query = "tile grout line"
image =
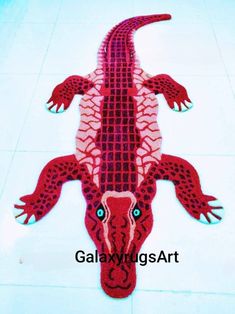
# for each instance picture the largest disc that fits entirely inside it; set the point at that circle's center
(219, 49)
(31, 99)
(6, 176)
(188, 292)
(232, 155)
(12, 156)
(68, 73)
(39, 73)
(132, 303)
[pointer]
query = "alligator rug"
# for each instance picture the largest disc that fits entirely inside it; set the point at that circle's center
(118, 155)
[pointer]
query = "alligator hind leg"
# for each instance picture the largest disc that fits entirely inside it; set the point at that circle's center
(207, 209)
(174, 93)
(48, 189)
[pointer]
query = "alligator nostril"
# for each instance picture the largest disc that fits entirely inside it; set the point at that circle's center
(125, 272)
(118, 274)
(110, 274)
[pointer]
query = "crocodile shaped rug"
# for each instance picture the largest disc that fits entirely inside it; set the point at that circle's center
(118, 155)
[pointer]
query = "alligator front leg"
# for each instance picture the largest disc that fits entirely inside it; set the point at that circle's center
(48, 189)
(207, 209)
(63, 93)
(174, 93)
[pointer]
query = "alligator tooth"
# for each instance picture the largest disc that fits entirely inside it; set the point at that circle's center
(17, 211)
(47, 105)
(176, 107)
(19, 202)
(218, 212)
(21, 219)
(189, 104)
(213, 219)
(215, 203)
(31, 220)
(183, 107)
(203, 219)
(61, 109)
(53, 109)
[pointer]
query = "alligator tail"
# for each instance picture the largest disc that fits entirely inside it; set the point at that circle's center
(118, 46)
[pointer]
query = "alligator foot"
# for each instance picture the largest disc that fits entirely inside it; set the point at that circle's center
(174, 93)
(36, 205)
(206, 209)
(63, 93)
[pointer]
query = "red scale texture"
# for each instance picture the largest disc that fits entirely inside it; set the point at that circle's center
(119, 215)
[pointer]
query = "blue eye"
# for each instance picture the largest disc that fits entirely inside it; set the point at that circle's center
(100, 213)
(136, 213)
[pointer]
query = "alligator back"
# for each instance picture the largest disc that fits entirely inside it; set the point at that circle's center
(118, 138)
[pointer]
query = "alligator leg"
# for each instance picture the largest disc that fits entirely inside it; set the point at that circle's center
(48, 189)
(63, 93)
(207, 209)
(174, 93)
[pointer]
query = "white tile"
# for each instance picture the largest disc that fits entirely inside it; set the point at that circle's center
(29, 11)
(7, 36)
(220, 11)
(74, 48)
(5, 161)
(45, 131)
(39, 300)
(182, 303)
(205, 253)
(95, 11)
(178, 49)
(41, 11)
(182, 11)
(16, 92)
(27, 50)
(172, 42)
(208, 127)
(36, 254)
(11, 11)
(232, 81)
(225, 34)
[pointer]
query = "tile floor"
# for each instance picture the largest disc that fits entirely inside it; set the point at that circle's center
(42, 42)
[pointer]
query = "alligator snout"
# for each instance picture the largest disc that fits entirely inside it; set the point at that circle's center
(118, 281)
(118, 228)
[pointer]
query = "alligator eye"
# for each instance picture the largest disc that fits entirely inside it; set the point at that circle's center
(136, 213)
(100, 213)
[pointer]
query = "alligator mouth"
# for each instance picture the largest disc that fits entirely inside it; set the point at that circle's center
(118, 286)
(119, 281)
(118, 291)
